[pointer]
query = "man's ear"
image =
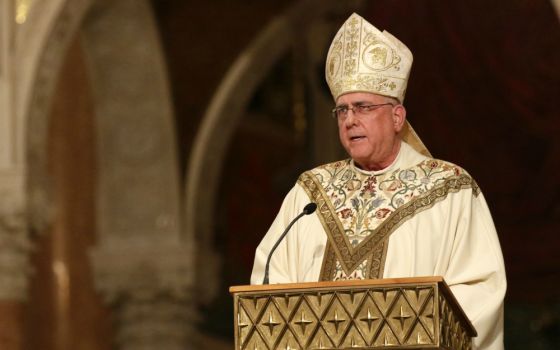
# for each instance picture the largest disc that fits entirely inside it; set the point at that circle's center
(399, 117)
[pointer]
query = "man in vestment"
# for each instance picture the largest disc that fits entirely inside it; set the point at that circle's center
(390, 210)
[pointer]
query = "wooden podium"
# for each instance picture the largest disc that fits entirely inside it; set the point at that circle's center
(401, 313)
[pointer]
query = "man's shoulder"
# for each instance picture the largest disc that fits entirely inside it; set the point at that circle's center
(443, 166)
(321, 174)
(329, 167)
(413, 159)
(438, 170)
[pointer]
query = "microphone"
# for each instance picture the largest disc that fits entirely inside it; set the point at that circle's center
(308, 209)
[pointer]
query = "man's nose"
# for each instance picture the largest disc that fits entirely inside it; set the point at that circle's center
(350, 117)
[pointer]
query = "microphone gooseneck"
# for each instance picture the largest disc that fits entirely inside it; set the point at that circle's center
(308, 209)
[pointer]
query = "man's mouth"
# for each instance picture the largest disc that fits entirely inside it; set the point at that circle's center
(356, 138)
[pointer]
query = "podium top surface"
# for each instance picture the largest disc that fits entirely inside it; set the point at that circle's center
(330, 284)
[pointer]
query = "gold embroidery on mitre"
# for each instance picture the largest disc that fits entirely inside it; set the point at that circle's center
(335, 60)
(351, 48)
(363, 59)
(377, 55)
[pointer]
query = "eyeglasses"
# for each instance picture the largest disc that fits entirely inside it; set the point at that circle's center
(341, 112)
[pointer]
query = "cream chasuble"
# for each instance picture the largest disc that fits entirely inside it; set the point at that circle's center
(417, 217)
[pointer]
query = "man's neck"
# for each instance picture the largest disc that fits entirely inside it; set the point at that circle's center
(385, 163)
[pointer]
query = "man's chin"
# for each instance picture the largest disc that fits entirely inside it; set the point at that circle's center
(358, 159)
(357, 153)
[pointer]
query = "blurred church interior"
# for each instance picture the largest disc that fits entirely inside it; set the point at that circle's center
(146, 146)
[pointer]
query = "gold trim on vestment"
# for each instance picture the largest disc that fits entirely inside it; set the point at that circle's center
(374, 247)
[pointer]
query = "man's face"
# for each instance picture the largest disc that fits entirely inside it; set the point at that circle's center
(371, 138)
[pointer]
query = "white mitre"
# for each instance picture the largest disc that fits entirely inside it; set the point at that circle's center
(363, 59)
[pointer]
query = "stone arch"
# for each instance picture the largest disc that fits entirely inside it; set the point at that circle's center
(75, 16)
(65, 20)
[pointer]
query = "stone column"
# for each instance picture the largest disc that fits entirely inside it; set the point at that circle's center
(15, 269)
(143, 268)
(15, 245)
(149, 288)
(14, 242)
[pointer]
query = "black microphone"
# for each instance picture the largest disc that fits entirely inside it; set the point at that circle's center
(308, 209)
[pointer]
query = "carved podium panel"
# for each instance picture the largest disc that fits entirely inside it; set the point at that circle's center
(402, 313)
